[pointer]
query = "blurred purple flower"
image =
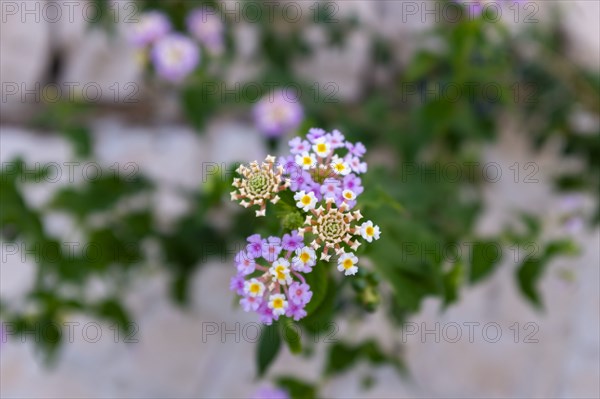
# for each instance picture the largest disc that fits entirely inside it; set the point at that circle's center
(175, 56)
(152, 26)
(276, 114)
(206, 26)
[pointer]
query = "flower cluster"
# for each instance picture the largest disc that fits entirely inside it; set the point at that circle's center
(259, 184)
(321, 173)
(175, 55)
(325, 166)
(270, 279)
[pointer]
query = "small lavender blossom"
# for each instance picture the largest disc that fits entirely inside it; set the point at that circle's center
(298, 146)
(271, 248)
(276, 114)
(207, 27)
(244, 263)
(357, 149)
(254, 247)
(336, 139)
(295, 311)
(152, 26)
(315, 133)
(292, 242)
(175, 56)
(237, 284)
(300, 294)
(331, 188)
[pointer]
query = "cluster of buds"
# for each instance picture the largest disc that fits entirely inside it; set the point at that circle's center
(259, 184)
(324, 191)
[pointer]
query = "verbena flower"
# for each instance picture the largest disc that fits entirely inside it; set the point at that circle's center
(276, 114)
(275, 286)
(206, 26)
(259, 184)
(326, 165)
(175, 56)
(151, 26)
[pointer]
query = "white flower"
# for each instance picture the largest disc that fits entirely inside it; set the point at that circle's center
(339, 166)
(369, 232)
(347, 264)
(278, 304)
(306, 160)
(254, 288)
(321, 147)
(348, 195)
(305, 201)
(305, 259)
(281, 271)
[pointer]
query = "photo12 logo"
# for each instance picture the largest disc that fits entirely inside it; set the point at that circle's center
(470, 331)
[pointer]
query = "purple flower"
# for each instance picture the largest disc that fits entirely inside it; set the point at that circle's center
(237, 284)
(254, 248)
(207, 27)
(353, 183)
(295, 311)
(357, 149)
(300, 294)
(315, 133)
(251, 303)
(292, 242)
(331, 188)
(298, 146)
(152, 26)
(175, 56)
(266, 313)
(278, 113)
(244, 263)
(270, 393)
(336, 139)
(302, 182)
(271, 248)
(356, 165)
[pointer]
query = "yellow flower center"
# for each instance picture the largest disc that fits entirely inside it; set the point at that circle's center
(278, 303)
(307, 161)
(321, 147)
(306, 200)
(280, 270)
(348, 263)
(348, 195)
(304, 257)
(370, 231)
(255, 288)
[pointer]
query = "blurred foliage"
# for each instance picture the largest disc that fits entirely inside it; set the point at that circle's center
(426, 222)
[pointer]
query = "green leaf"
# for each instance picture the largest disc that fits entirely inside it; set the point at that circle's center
(296, 388)
(268, 348)
(485, 255)
(291, 335)
(527, 276)
(343, 356)
(79, 136)
(452, 282)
